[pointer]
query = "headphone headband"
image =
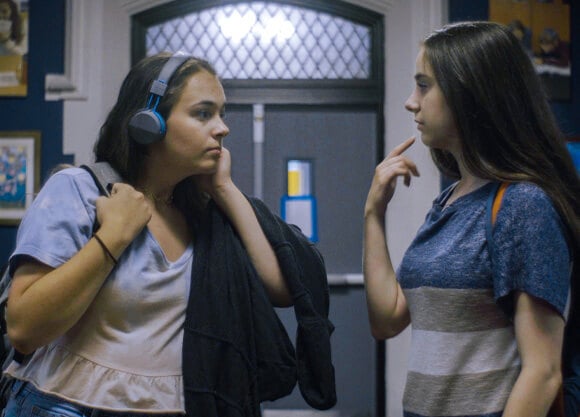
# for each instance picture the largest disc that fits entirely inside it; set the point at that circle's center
(147, 126)
(159, 86)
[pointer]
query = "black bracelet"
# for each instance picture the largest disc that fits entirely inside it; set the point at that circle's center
(105, 248)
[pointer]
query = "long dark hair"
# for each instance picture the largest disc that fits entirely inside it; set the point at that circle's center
(507, 129)
(115, 145)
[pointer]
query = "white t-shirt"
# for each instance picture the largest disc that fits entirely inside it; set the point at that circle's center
(124, 354)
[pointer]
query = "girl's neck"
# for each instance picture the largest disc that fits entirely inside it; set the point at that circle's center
(464, 186)
(157, 194)
(163, 199)
(156, 189)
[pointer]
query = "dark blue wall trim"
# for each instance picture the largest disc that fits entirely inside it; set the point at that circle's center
(460, 10)
(46, 55)
(568, 112)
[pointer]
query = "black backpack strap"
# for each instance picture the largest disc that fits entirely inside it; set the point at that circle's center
(7, 353)
(104, 175)
(5, 281)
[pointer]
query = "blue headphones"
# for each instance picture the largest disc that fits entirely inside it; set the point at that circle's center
(147, 126)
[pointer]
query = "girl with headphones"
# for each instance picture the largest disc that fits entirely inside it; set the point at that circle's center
(100, 312)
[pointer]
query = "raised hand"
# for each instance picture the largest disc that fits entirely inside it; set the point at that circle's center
(385, 179)
(126, 211)
(220, 179)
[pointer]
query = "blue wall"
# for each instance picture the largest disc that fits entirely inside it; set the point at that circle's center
(46, 55)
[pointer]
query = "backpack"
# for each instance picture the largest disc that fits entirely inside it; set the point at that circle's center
(104, 176)
(493, 206)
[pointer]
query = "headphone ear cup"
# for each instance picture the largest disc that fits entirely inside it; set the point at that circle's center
(147, 126)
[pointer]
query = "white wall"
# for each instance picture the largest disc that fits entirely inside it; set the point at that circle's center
(100, 57)
(407, 22)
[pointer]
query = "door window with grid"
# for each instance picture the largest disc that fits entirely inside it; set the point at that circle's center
(289, 44)
(257, 40)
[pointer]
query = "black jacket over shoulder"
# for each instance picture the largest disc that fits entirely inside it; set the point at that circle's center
(236, 352)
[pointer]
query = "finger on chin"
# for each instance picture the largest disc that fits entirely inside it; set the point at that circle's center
(399, 149)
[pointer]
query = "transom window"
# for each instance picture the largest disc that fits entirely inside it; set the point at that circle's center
(257, 40)
(308, 51)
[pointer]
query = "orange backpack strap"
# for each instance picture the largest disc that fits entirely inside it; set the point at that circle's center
(497, 201)
(493, 205)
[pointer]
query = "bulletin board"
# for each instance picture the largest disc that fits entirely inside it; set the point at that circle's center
(13, 47)
(543, 27)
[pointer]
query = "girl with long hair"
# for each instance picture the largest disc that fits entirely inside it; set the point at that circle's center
(488, 321)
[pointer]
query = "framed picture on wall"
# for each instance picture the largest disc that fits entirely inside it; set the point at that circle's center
(19, 173)
(13, 47)
(543, 27)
